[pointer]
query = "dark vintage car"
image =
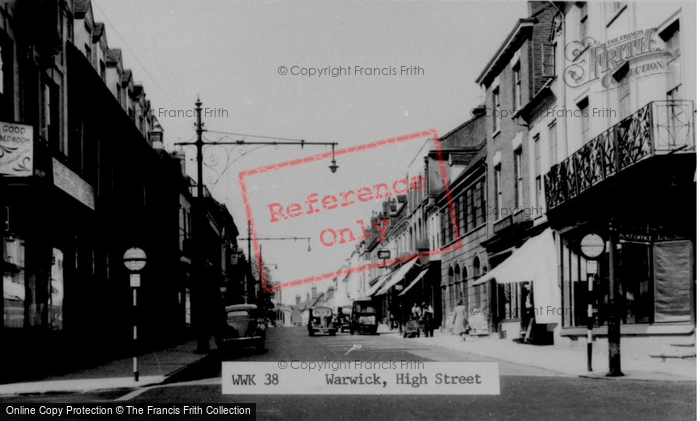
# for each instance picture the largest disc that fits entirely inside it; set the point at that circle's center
(244, 327)
(321, 320)
(364, 317)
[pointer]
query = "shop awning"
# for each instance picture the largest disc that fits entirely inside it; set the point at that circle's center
(398, 276)
(535, 261)
(374, 288)
(415, 281)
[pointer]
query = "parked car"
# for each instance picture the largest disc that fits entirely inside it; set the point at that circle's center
(364, 317)
(321, 321)
(244, 326)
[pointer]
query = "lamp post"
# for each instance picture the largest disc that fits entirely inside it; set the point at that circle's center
(135, 260)
(199, 222)
(308, 239)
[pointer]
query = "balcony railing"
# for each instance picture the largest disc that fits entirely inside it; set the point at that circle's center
(658, 128)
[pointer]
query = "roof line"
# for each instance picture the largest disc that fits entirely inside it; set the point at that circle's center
(522, 23)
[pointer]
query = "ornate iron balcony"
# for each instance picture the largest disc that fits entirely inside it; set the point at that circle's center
(658, 128)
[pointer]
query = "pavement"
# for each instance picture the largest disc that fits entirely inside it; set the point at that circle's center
(572, 362)
(164, 366)
(157, 367)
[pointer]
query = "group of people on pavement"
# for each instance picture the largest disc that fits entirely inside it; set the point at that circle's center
(423, 313)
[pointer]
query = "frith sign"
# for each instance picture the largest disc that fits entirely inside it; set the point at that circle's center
(626, 58)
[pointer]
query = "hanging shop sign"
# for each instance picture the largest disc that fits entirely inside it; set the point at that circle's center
(71, 183)
(16, 149)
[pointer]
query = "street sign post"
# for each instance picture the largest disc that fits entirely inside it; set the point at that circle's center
(135, 260)
(592, 246)
(135, 280)
(591, 271)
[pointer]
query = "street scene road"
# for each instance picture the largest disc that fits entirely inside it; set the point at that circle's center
(349, 210)
(526, 392)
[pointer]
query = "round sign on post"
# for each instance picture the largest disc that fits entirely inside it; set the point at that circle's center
(134, 259)
(592, 246)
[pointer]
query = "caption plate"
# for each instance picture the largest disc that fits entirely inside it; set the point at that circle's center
(359, 378)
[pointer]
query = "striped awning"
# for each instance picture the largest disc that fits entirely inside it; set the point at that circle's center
(415, 281)
(398, 276)
(376, 286)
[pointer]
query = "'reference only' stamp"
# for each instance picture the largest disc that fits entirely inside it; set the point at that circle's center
(314, 204)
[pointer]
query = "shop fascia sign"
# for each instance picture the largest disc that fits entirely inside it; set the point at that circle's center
(648, 238)
(637, 54)
(71, 183)
(16, 149)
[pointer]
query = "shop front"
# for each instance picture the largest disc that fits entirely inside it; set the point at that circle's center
(633, 185)
(654, 274)
(49, 263)
(525, 302)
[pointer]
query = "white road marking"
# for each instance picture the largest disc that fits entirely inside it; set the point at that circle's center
(201, 382)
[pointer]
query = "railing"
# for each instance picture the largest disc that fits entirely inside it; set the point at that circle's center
(658, 128)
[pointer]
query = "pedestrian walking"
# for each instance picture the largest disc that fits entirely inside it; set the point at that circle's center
(460, 323)
(428, 315)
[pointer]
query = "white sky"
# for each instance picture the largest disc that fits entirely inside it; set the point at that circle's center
(229, 53)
